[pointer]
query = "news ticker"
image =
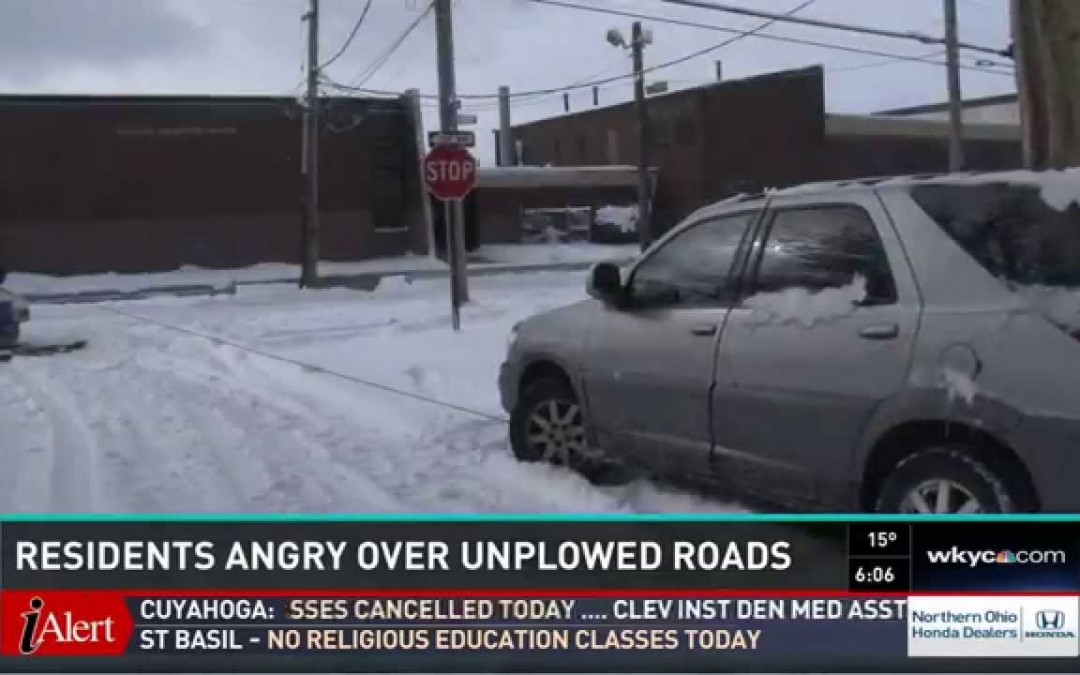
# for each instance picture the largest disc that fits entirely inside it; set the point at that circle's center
(636, 594)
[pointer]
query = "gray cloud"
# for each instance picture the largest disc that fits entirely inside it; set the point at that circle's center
(40, 37)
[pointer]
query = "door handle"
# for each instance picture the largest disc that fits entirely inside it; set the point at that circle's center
(881, 331)
(704, 329)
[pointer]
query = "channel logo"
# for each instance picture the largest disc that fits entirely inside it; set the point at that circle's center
(975, 558)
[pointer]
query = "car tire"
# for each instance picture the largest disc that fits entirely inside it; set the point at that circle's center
(549, 400)
(916, 483)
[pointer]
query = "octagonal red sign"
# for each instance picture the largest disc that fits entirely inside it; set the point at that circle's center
(449, 172)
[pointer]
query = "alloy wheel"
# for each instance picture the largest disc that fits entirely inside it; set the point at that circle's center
(940, 496)
(555, 432)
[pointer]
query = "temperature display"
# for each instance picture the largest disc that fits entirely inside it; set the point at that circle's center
(878, 539)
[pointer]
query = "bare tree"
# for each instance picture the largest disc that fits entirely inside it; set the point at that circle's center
(1046, 46)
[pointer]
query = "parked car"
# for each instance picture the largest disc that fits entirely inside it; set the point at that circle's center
(886, 345)
(14, 311)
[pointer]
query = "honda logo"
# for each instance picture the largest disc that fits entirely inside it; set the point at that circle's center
(1050, 619)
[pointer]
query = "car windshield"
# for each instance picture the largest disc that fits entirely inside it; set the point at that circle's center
(1025, 233)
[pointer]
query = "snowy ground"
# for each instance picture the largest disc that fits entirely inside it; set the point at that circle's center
(156, 419)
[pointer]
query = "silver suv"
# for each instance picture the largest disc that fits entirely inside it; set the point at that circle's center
(894, 345)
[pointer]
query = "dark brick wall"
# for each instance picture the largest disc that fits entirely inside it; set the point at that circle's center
(146, 184)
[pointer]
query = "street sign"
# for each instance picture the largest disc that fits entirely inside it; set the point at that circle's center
(466, 119)
(466, 139)
(449, 172)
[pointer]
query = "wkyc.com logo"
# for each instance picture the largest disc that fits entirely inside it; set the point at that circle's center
(975, 558)
(1050, 623)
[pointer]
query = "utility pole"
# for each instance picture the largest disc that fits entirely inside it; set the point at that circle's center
(309, 274)
(956, 101)
(506, 144)
(644, 138)
(448, 111)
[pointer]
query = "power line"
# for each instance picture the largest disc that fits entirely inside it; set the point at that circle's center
(833, 25)
(389, 53)
(352, 35)
(765, 36)
(739, 34)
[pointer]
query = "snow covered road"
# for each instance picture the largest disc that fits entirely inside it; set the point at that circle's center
(154, 418)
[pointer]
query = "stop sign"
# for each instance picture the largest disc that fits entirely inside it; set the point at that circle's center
(449, 172)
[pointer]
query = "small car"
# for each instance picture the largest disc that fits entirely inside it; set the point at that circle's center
(14, 311)
(898, 345)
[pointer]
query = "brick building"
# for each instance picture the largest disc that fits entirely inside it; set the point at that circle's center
(721, 139)
(135, 184)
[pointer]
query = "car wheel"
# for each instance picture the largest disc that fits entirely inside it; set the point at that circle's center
(548, 425)
(946, 480)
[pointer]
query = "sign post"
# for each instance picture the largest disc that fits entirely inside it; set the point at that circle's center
(450, 175)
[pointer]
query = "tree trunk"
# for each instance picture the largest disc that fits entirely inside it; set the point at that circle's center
(1046, 44)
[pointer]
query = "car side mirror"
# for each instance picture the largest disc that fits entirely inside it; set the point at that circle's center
(605, 283)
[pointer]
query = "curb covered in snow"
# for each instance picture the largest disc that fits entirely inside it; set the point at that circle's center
(362, 282)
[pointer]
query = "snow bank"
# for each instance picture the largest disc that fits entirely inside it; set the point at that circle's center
(806, 308)
(623, 218)
(571, 252)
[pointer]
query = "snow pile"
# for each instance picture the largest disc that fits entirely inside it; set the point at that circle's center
(807, 308)
(622, 218)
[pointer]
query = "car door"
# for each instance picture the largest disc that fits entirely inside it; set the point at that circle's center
(649, 363)
(822, 335)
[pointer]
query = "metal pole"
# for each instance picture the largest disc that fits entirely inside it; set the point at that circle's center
(506, 144)
(309, 274)
(644, 139)
(956, 101)
(451, 245)
(448, 109)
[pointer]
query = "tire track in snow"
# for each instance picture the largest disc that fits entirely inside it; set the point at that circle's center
(286, 446)
(74, 476)
(27, 451)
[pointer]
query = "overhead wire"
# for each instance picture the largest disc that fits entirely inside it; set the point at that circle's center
(381, 60)
(660, 19)
(352, 36)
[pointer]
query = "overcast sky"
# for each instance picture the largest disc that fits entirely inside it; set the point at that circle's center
(257, 47)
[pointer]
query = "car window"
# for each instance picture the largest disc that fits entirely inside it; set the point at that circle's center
(693, 269)
(1025, 234)
(825, 247)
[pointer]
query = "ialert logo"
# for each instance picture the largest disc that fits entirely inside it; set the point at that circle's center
(41, 626)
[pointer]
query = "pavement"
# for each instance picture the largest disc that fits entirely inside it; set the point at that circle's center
(367, 281)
